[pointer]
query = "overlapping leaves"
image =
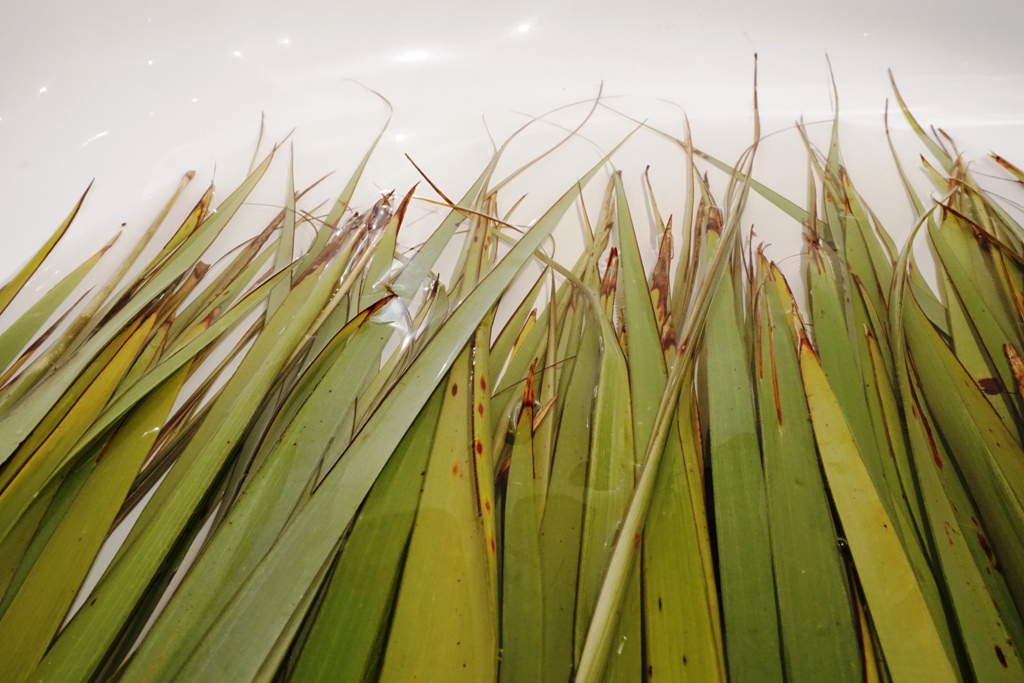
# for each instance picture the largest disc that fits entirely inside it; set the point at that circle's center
(354, 471)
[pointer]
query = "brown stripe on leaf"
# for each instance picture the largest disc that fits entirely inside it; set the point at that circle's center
(928, 435)
(775, 374)
(528, 393)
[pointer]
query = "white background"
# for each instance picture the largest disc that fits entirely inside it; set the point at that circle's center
(135, 93)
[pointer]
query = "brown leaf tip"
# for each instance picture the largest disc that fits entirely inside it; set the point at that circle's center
(528, 392)
(1016, 365)
(715, 220)
(610, 274)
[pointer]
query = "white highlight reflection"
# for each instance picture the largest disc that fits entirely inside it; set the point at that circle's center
(96, 137)
(414, 56)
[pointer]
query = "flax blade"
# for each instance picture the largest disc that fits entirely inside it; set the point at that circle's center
(443, 621)
(287, 570)
(347, 637)
(11, 288)
(817, 625)
(910, 641)
(745, 559)
(522, 634)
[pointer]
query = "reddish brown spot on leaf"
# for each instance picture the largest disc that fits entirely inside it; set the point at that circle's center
(991, 385)
(455, 389)
(480, 408)
(636, 539)
(494, 547)
(487, 505)
(455, 470)
(483, 383)
(983, 542)
(1001, 656)
(478, 445)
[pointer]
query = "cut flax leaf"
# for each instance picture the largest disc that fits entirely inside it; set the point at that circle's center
(522, 633)
(609, 489)
(38, 463)
(23, 417)
(973, 277)
(167, 514)
(987, 619)
(561, 526)
(322, 561)
(676, 593)
(479, 391)
(347, 637)
(986, 453)
(275, 490)
(817, 626)
(747, 586)
(11, 289)
(37, 611)
(443, 622)
(910, 641)
(20, 332)
(190, 349)
(289, 568)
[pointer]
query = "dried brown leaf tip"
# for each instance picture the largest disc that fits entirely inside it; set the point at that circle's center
(1014, 170)
(1017, 365)
(528, 393)
(714, 220)
(661, 278)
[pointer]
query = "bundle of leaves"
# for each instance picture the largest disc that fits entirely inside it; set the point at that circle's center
(336, 466)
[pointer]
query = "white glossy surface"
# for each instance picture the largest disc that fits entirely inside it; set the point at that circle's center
(134, 94)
